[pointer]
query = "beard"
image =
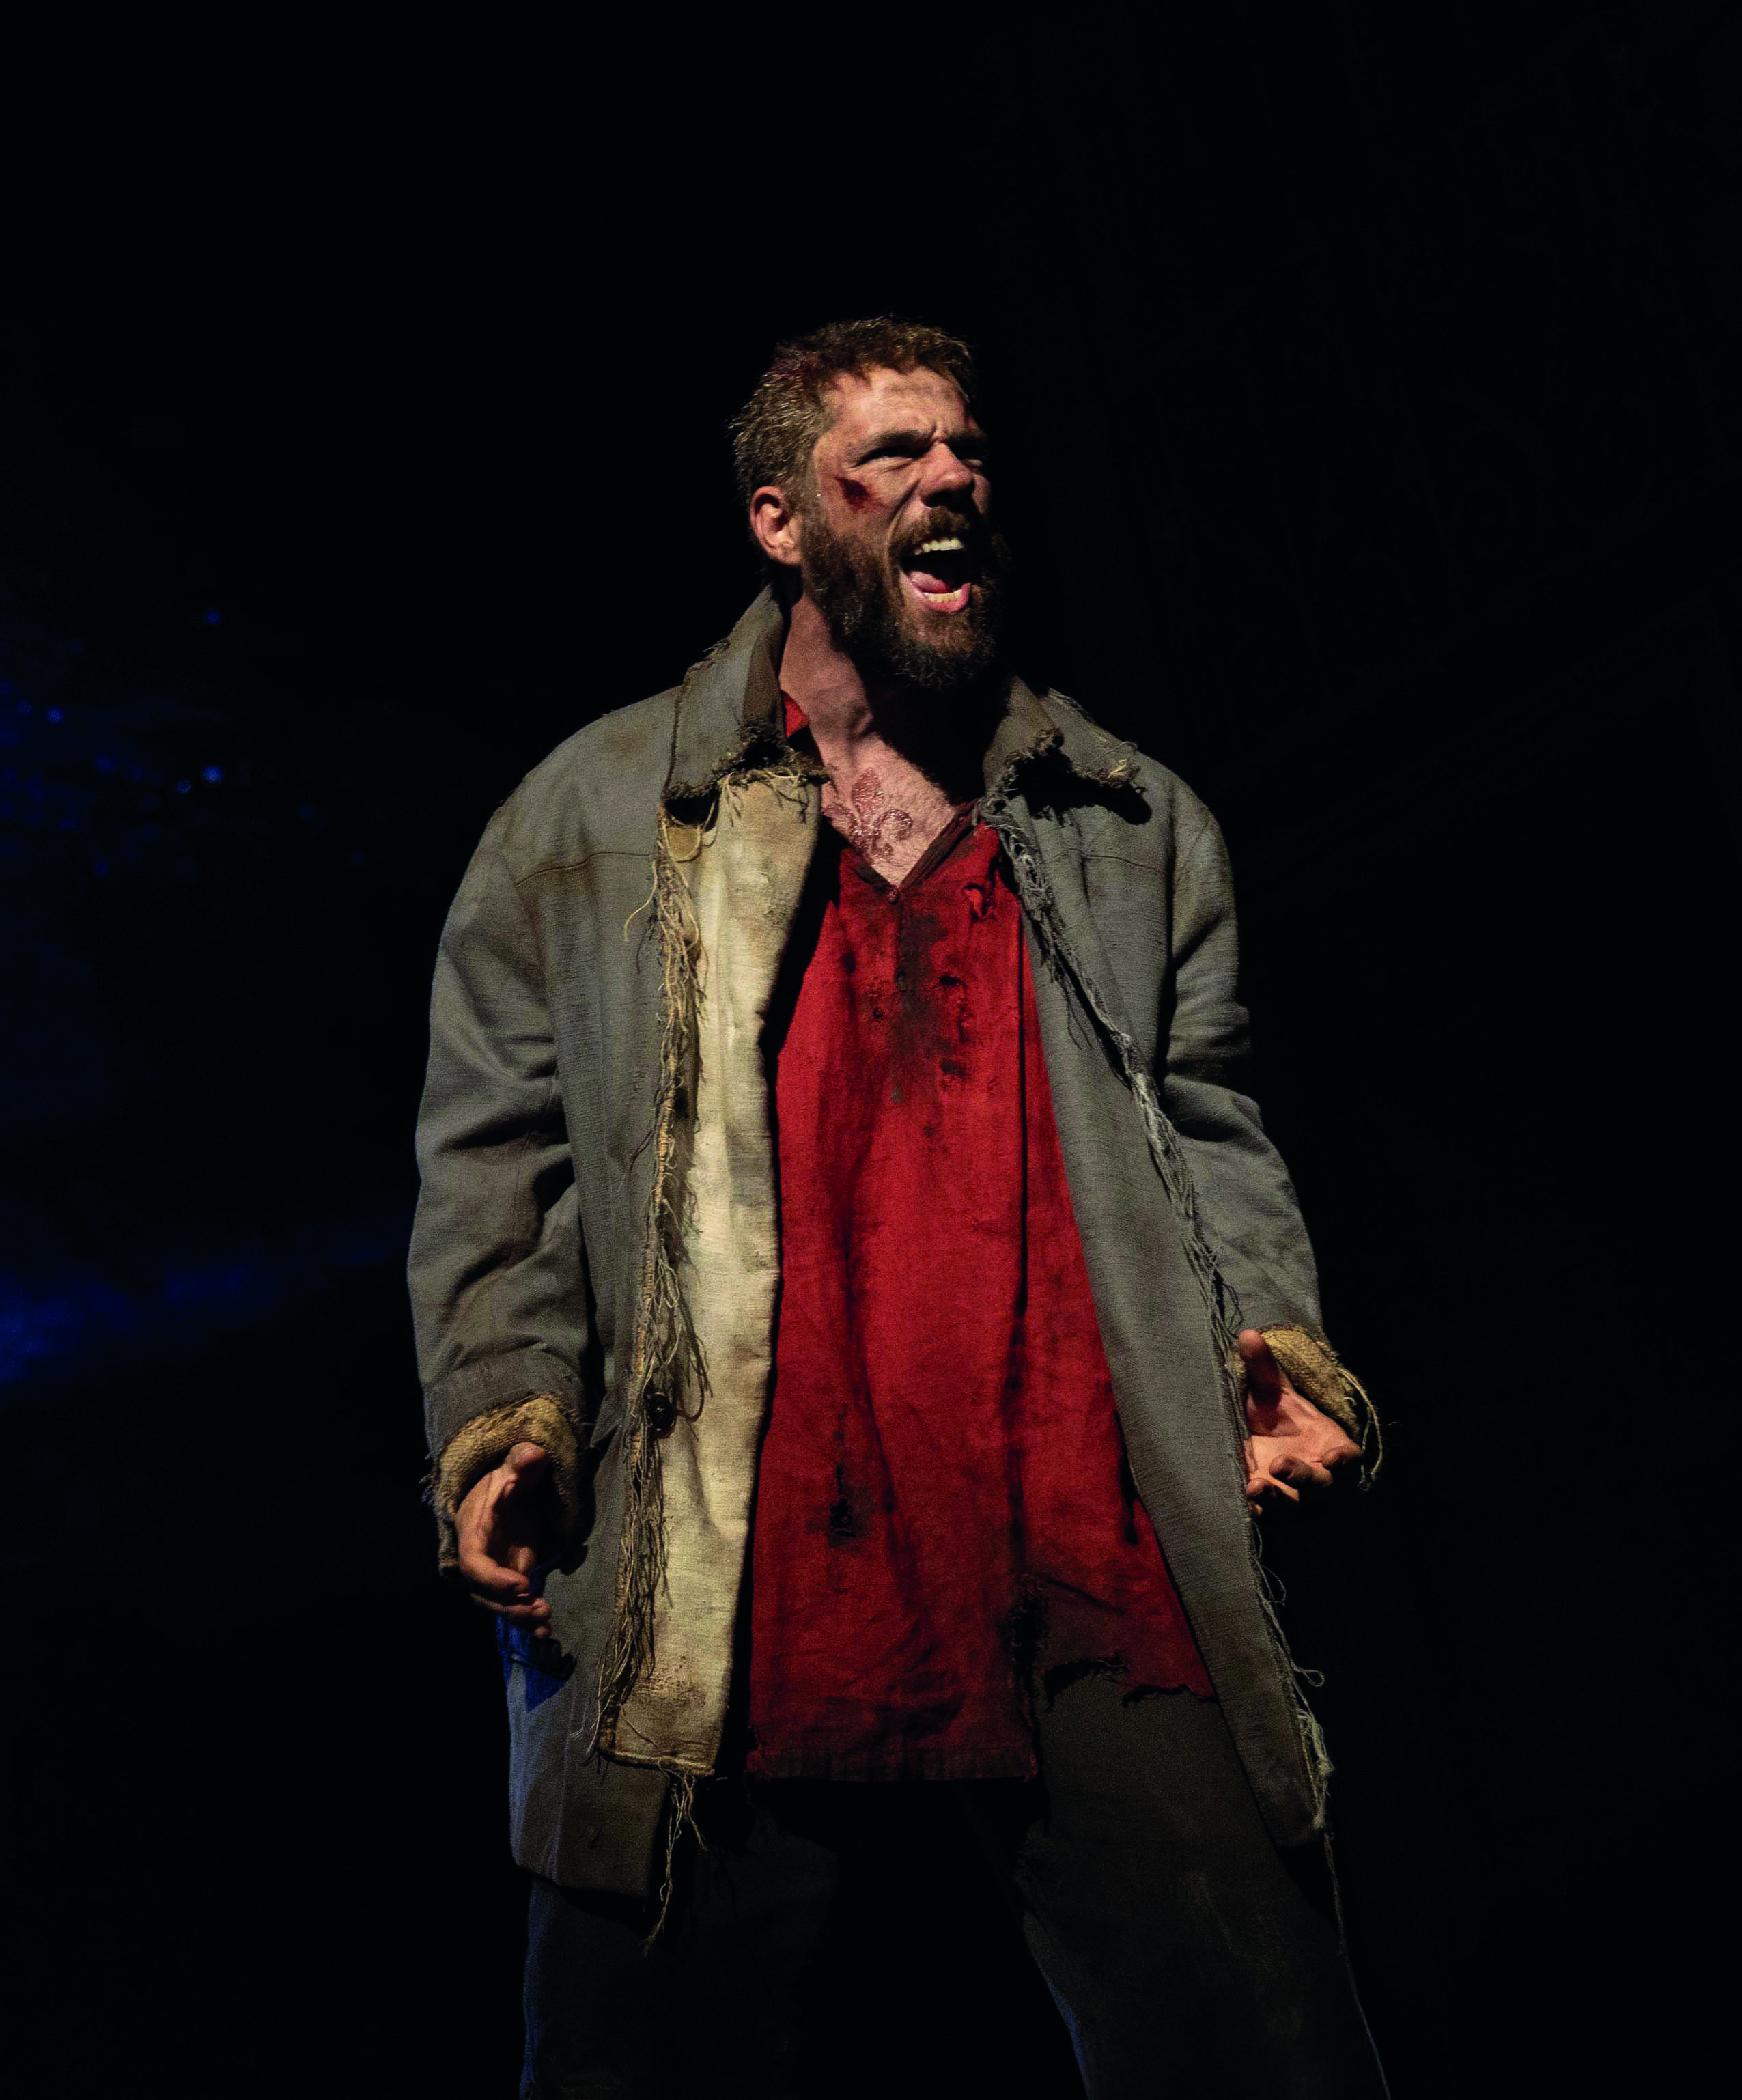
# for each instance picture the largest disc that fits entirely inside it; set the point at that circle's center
(861, 592)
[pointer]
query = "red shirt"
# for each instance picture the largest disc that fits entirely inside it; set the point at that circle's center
(943, 1500)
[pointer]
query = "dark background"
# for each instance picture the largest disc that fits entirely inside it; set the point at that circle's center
(1366, 379)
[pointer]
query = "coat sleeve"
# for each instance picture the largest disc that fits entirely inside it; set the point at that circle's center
(1243, 1188)
(1244, 1192)
(497, 1272)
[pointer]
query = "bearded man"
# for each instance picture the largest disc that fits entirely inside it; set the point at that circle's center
(862, 1322)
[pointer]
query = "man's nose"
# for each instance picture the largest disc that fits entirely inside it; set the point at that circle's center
(944, 474)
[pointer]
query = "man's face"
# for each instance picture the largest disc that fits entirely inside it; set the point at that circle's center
(895, 542)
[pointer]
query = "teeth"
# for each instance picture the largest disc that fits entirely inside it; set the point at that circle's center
(950, 546)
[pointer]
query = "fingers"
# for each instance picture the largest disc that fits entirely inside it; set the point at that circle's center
(504, 1587)
(491, 1581)
(506, 1591)
(1264, 1486)
(1266, 1491)
(1304, 1474)
(1292, 1478)
(534, 1616)
(1263, 1375)
(529, 1612)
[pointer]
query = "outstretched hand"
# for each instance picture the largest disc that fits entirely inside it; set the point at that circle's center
(1293, 1452)
(501, 1526)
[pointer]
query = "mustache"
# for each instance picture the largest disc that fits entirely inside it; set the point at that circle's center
(967, 526)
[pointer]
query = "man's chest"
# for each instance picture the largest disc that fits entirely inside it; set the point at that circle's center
(888, 812)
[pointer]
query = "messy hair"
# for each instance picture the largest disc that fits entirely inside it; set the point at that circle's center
(776, 429)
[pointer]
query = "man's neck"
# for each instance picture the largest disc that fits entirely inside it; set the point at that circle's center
(842, 710)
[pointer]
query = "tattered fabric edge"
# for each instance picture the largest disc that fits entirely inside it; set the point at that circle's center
(761, 753)
(667, 1372)
(1121, 769)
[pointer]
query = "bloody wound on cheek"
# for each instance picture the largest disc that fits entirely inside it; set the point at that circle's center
(857, 496)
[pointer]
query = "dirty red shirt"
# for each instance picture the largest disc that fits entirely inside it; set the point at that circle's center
(943, 1499)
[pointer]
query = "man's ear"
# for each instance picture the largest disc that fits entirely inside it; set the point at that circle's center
(776, 527)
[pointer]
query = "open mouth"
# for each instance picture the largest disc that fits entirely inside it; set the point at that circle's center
(940, 573)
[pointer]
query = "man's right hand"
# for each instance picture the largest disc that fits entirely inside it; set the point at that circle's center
(502, 1527)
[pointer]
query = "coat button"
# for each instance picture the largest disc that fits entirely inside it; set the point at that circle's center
(659, 1412)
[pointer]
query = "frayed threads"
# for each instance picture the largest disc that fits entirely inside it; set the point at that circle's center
(680, 1814)
(1372, 1436)
(668, 1363)
(759, 754)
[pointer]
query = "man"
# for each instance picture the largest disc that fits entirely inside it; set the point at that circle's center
(861, 1322)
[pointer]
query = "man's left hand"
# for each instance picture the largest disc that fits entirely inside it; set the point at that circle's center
(1293, 1453)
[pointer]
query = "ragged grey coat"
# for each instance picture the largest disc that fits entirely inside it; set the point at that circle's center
(596, 1261)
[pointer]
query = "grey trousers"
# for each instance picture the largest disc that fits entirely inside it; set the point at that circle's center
(816, 1945)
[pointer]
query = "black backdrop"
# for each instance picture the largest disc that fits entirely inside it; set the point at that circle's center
(1366, 387)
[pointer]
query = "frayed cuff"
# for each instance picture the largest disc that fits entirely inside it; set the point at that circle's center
(479, 1446)
(1317, 1374)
